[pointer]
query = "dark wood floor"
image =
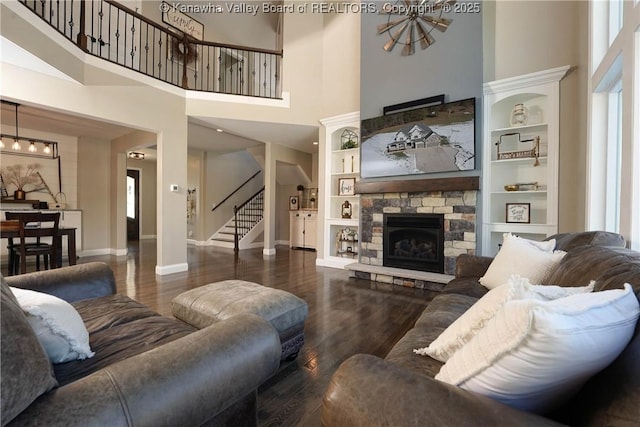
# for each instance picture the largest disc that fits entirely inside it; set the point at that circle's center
(346, 316)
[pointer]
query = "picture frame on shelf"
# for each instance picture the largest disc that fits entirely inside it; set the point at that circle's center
(346, 186)
(518, 213)
(294, 203)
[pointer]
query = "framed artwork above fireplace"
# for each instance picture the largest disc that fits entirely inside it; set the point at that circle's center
(438, 138)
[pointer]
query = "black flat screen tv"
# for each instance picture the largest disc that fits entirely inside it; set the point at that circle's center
(439, 138)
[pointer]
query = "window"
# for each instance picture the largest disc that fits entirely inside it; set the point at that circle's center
(613, 158)
(615, 19)
(613, 174)
(131, 197)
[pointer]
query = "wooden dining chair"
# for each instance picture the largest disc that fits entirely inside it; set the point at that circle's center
(33, 228)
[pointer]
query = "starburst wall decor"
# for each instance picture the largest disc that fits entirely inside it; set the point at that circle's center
(410, 22)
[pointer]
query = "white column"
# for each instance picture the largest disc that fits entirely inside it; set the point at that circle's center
(269, 200)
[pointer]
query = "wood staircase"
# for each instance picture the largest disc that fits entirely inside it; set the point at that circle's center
(248, 222)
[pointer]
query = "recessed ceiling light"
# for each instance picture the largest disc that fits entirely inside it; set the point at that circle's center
(219, 130)
(315, 143)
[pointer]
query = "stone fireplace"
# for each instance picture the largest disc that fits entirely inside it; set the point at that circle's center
(452, 199)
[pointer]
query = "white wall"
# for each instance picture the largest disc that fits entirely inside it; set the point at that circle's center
(94, 177)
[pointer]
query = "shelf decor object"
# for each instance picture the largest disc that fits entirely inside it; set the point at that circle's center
(294, 203)
(533, 152)
(346, 186)
(346, 210)
(519, 115)
(518, 213)
(348, 139)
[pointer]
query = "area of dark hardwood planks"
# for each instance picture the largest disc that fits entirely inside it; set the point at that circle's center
(346, 316)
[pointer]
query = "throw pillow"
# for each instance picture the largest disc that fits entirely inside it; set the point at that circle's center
(520, 256)
(57, 325)
(533, 355)
(25, 370)
(475, 318)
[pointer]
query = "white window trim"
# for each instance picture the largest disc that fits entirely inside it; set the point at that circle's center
(624, 50)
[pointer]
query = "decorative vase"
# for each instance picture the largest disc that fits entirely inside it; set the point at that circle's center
(19, 195)
(519, 115)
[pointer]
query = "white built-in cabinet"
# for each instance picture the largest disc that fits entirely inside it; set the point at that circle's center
(303, 229)
(528, 156)
(340, 165)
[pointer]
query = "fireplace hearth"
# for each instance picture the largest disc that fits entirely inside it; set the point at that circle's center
(414, 241)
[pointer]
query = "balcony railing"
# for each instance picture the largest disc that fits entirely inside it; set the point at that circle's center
(120, 35)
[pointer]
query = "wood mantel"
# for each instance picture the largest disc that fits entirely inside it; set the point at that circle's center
(419, 185)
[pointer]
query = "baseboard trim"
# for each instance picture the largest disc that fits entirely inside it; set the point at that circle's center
(253, 245)
(162, 270)
(269, 252)
(118, 252)
(95, 252)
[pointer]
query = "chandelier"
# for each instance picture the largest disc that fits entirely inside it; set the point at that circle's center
(26, 146)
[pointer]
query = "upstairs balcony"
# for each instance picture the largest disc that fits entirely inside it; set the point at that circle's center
(115, 33)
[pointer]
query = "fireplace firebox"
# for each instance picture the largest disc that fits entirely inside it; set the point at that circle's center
(414, 241)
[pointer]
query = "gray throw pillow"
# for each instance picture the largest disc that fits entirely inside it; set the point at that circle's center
(25, 370)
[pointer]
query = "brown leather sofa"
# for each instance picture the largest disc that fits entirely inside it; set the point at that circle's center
(148, 370)
(400, 390)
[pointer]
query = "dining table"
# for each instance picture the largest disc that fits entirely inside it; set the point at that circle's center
(11, 229)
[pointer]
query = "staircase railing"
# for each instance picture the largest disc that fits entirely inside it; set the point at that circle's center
(236, 190)
(113, 32)
(247, 215)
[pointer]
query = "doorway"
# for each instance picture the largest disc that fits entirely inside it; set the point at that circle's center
(133, 204)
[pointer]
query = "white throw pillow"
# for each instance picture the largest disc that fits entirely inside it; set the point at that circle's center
(476, 317)
(533, 355)
(57, 325)
(520, 256)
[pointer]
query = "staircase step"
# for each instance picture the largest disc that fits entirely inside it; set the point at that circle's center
(222, 239)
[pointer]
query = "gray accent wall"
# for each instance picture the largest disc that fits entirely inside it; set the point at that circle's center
(452, 65)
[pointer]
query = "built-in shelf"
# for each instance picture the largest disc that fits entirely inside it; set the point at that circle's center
(520, 160)
(539, 93)
(520, 192)
(337, 163)
(517, 128)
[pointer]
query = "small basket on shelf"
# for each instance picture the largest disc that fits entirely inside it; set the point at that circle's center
(533, 152)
